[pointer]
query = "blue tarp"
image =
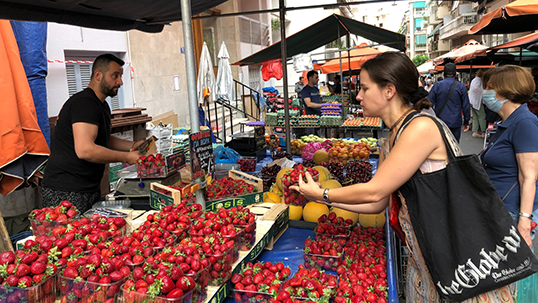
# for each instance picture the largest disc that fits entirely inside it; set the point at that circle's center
(32, 41)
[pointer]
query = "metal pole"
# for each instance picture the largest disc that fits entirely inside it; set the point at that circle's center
(283, 50)
(191, 85)
(520, 55)
(340, 58)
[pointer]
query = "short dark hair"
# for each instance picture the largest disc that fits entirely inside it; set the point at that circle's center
(102, 62)
(337, 77)
(301, 78)
(311, 74)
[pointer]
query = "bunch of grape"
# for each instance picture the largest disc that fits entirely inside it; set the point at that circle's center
(336, 169)
(308, 163)
(357, 172)
(282, 154)
(269, 176)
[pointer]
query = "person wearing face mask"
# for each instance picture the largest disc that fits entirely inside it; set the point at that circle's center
(511, 157)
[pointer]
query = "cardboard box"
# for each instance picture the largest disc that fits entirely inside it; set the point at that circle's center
(167, 118)
(158, 200)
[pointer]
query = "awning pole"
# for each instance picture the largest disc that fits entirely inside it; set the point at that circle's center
(283, 50)
(340, 57)
(191, 83)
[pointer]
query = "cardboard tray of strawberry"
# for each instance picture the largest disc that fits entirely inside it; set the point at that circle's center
(259, 282)
(290, 178)
(325, 254)
(309, 284)
(44, 220)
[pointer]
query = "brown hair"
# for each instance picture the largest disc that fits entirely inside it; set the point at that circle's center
(513, 82)
(396, 68)
(485, 77)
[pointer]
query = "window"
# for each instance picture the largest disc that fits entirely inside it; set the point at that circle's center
(78, 78)
(419, 4)
(418, 23)
(420, 40)
(497, 39)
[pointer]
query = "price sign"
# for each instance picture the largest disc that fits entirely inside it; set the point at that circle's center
(201, 149)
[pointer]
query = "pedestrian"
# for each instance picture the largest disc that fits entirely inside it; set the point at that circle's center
(390, 91)
(511, 157)
(299, 86)
(478, 113)
(312, 98)
(81, 143)
(449, 98)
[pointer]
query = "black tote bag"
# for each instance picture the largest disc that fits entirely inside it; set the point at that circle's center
(468, 239)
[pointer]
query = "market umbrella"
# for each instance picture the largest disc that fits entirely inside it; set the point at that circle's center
(516, 17)
(225, 80)
(425, 67)
(441, 59)
(206, 76)
(356, 58)
(25, 148)
(469, 47)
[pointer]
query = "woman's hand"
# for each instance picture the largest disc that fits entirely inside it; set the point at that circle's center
(311, 190)
(524, 228)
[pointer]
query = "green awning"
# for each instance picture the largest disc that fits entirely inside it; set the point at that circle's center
(324, 32)
(435, 30)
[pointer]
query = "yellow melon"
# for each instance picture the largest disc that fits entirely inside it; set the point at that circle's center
(331, 184)
(375, 220)
(313, 210)
(271, 197)
(324, 173)
(296, 212)
(346, 214)
(280, 175)
(320, 156)
(276, 190)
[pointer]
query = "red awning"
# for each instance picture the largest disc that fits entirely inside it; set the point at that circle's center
(516, 17)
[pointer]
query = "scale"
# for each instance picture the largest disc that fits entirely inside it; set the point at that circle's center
(131, 186)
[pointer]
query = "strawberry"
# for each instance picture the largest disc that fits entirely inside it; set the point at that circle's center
(7, 257)
(70, 272)
(175, 294)
(22, 270)
(24, 282)
(37, 268)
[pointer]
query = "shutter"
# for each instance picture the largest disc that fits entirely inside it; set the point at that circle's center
(114, 102)
(71, 79)
(85, 74)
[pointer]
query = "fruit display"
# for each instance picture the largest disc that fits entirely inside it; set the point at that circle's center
(324, 253)
(312, 147)
(44, 220)
(247, 164)
(282, 154)
(92, 278)
(272, 142)
(308, 163)
(151, 166)
(127, 248)
(219, 228)
(335, 120)
(297, 147)
(259, 282)
(363, 273)
(246, 221)
(344, 152)
(312, 138)
(357, 172)
(335, 168)
(308, 284)
(152, 235)
(269, 174)
(228, 187)
(220, 255)
(155, 280)
(290, 178)
(372, 142)
(313, 210)
(28, 275)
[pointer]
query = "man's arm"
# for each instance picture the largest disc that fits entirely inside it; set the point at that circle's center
(118, 144)
(431, 95)
(311, 104)
(84, 135)
(465, 105)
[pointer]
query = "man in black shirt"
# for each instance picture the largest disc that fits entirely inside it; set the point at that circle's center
(82, 145)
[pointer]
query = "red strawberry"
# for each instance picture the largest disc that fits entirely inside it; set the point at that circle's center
(7, 257)
(167, 284)
(25, 282)
(70, 272)
(175, 294)
(12, 280)
(116, 276)
(22, 270)
(38, 268)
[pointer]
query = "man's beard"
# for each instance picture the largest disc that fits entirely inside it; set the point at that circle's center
(107, 90)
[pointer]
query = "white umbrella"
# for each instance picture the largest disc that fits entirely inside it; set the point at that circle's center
(206, 76)
(225, 82)
(425, 67)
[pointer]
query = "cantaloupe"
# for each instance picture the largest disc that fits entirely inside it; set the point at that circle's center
(276, 190)
(375, 220)
(271, 197)
(320, 156)
(280, 175)
(324, 173)
(346, 214)
(331, 184)
(296, 212)
(313, 210)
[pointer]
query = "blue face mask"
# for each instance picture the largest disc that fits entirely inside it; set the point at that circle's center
(491, 101)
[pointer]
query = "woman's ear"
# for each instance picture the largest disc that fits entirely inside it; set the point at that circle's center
(390, 91)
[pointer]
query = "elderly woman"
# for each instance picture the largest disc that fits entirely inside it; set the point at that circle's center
(511, 158)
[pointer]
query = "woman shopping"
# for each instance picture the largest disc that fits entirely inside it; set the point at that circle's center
(419, 144)
(511, 158)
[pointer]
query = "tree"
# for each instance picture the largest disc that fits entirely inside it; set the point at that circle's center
(419, 59)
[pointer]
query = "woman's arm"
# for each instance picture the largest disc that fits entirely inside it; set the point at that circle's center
(527, 174)
(420, 140)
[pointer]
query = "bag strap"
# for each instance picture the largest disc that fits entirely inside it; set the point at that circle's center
(514, 185)
(447, 98)
(450, 152)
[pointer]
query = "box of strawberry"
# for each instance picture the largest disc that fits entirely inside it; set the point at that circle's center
(291, 178)
(308, 285)
(44, 220)
(259, 282)
(325, 254)
(28, 276)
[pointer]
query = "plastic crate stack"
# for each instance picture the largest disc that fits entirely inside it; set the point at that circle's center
(271, 119)
(308, 120)
(293, 117)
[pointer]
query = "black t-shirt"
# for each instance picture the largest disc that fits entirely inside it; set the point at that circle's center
(65, 171)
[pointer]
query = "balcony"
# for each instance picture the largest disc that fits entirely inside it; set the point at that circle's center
(458, 27)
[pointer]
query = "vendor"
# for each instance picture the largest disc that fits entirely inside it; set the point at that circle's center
(299, 86)
(81, 143)
(337, 87)
(311, 97)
